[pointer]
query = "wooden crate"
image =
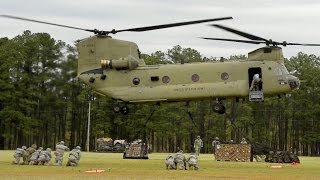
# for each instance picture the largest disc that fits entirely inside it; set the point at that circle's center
(233, 152)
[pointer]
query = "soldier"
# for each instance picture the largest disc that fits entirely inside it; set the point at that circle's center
(45, 157)
(18, 154)
(255, 83)
(193, 162)
(179, 158)
(74, 157)
(60, 149)
(198, 145)
(170, 162)
(215, 144)
(27, 154)
(35, 156)
(243, 141)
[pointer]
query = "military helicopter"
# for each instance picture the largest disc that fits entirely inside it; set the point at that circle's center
(115, 68)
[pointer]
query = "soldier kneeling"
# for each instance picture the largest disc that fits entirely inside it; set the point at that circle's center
(193, 162)
(180, 159)
(170, 162)
(45, 157)
(18, 154)
(35, 156)
(74, 157)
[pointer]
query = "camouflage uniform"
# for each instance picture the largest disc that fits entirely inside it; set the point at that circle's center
(18, 154)
(45, 157)
(193, 162)
(74, 157)
(243, 141)
(35, 156)
(179, 158)
(198, 145)
(27, 154)
(215, 144)
(170, 162)
(60, 149)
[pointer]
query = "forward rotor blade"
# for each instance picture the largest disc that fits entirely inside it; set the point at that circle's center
(163, 26)
(240, 33)
(299, 44)
(43, 22)
(235, 40)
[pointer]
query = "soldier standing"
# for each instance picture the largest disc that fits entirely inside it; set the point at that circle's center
(18, 154)
(27, 154)
(60, 149)
(215, 144)
(198, 145)
(74, 157)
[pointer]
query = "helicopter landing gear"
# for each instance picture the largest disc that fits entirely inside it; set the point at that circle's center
(123, 109)
(219, 108)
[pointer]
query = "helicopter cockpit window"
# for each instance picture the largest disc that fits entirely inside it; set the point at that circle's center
(281, 72)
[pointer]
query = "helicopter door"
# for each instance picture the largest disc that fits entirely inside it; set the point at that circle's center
(255, 84)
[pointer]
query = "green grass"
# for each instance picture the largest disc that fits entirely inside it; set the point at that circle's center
(117, 168)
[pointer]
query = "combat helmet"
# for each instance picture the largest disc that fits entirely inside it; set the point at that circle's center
(78, 147)
(61, 142)
(24, 147)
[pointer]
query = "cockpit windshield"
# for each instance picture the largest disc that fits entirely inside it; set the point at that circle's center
(281, 72)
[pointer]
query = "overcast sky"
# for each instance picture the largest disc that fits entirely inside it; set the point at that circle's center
(281, 20)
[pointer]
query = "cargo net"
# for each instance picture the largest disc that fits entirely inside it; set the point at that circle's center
(233, 152)
(136, 151)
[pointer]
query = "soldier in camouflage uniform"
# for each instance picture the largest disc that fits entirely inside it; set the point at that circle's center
(74, 157)
(27, 154)
(198, 145)
(18, 154)
(60, 149)
(35, 156)
(45, 157)
(192, 161)
(180, 159)
(170, 162)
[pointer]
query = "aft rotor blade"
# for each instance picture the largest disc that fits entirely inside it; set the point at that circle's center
(240, 33)
(235, 40)
(43, 22)
(163, 26)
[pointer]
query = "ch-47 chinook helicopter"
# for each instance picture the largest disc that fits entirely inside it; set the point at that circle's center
(115, 68)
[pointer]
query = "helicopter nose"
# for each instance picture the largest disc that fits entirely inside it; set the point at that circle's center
(294, 82)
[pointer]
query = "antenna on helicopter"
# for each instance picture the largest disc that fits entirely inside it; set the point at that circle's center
(113, 31)
(253, 39)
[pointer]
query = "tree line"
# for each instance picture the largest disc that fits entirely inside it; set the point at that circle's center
(43, 102)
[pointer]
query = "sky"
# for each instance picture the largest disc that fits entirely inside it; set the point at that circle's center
(282, 20)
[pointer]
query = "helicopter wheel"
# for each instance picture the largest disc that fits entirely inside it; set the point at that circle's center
(125, 110)
(116, 108)
(219, 108)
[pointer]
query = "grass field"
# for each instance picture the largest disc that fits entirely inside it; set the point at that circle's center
(117, 168)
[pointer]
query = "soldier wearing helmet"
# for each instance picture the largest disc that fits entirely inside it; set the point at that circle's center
(74, 157)
(215, 145)
(18, 154)
(198, 144)
(60, 149)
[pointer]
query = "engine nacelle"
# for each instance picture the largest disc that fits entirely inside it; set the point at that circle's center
(120, 64)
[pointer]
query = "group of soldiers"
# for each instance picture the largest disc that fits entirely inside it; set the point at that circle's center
(34, 156)
(179, 159)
